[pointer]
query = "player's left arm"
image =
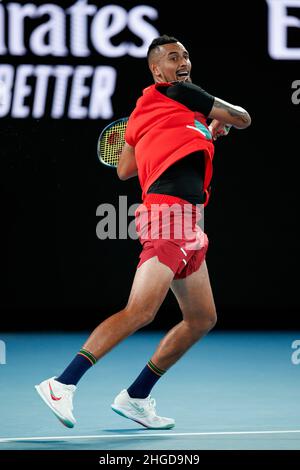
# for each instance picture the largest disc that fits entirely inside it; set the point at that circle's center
(127, 167)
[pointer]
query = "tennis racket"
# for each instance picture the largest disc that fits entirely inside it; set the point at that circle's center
(111, 142)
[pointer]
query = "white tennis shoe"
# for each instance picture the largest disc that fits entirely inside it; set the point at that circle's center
(59, 397)
(141, 410)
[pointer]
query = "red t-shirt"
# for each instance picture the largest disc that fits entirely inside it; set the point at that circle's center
(163, 131)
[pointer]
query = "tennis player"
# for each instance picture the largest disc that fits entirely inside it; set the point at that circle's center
(169, 145)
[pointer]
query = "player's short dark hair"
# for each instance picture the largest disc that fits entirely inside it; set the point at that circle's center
(160, 41)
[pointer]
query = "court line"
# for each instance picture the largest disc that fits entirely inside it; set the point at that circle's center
(118, 436)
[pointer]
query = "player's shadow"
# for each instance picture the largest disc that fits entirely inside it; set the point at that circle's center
(127, 431)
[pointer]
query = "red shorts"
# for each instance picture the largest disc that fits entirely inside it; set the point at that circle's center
(168, 228)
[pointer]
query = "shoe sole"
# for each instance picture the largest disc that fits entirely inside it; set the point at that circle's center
(63, 420)
(121, 413)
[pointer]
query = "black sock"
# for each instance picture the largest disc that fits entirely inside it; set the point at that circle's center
(77, 368)
(144, 383)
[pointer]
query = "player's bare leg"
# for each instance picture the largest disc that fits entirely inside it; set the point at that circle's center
(150, 286)
(195, 298)
(199, 316)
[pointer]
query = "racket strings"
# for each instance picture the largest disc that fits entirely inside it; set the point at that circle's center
(112, 142)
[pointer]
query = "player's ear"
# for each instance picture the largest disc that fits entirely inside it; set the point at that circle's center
(155, 70)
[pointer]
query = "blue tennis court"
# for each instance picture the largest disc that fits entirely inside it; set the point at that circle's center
(232, 390)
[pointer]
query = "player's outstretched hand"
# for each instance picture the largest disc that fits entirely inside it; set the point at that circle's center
(218, 129)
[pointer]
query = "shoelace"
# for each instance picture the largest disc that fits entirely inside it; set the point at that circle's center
(151, 405)
(69, 392)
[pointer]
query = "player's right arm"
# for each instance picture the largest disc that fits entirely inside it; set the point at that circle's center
(127, 167)
(230, 114)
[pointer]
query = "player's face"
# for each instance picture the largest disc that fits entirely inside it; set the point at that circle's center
(172, 64)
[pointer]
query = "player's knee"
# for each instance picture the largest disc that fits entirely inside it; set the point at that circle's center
(147, 318)
(144, 319)
(212, 320)
(141, 317)
(204, 324)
